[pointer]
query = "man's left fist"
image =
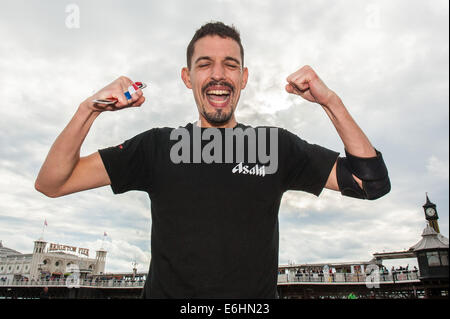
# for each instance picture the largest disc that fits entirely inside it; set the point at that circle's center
(306, 83)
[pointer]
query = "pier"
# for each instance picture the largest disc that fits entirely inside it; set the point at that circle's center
(290, 285)
(71, 276)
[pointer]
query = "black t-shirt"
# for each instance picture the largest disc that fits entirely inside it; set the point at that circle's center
(214, 225)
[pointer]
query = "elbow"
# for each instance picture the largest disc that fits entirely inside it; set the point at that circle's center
(372, 175)
(370, 190)
(43, 190)
(366, 188)
(377, 189)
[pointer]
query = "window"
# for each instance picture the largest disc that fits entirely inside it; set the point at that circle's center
(444, 258)
(433, 259)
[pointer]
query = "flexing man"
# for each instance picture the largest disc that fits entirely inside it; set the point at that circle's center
(215, 222)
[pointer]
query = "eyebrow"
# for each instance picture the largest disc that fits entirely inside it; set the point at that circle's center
(227, 58)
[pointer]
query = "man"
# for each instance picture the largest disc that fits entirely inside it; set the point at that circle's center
(215, 220)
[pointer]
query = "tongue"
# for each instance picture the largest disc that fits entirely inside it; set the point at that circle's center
(219, 98)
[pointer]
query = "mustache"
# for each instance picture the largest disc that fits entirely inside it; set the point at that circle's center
(212, 83)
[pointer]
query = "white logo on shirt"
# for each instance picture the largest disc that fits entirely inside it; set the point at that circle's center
(244, 169)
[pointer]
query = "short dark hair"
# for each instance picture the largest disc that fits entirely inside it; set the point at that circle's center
(214, 28)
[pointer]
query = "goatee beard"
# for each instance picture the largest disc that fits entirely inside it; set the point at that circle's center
(218, 117)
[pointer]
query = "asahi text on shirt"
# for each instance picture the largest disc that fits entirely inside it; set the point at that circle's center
(235, 140)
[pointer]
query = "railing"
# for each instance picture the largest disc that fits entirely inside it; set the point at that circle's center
(348, 278)
(282, 279)
(113, 283)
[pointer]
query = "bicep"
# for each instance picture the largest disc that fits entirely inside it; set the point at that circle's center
(89, 173)
(332, 182)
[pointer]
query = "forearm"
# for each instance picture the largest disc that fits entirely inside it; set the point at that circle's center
(354, 139)
(65, 151)
(362, 173)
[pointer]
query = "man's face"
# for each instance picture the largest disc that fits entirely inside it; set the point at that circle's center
(216, 78)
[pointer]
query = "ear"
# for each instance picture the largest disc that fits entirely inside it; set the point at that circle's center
(185, 76)
(244, 78)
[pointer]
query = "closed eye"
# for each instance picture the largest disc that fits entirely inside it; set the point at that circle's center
(233, 66)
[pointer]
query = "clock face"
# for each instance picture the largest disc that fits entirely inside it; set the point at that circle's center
(430, 212)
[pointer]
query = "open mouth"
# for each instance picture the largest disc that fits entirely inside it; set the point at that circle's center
(218, 95)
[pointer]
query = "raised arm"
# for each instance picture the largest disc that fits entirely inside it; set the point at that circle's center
(362, 173)
(64, 171)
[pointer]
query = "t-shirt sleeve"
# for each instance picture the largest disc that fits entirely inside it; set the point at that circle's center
(306, 167)
(129, 165)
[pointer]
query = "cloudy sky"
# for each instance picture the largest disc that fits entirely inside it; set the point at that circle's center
(387, 60)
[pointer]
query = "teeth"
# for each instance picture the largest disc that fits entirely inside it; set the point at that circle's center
(218, 92)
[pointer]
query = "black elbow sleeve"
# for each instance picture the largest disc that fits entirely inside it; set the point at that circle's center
(377, 189)
(372, 171)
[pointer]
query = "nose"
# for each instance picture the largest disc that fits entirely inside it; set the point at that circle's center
(218, 72)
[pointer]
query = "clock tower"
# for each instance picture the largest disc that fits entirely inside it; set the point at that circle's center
(431, 214)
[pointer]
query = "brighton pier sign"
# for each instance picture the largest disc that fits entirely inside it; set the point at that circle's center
(73, 249)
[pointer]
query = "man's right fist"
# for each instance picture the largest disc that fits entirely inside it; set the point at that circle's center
(116, 90)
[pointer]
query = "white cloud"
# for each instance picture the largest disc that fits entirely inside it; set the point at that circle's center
(438, 167)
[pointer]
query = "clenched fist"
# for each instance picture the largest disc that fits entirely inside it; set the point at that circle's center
(306, 83)
(116, 90)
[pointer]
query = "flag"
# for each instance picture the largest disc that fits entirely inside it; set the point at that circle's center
(45, 222)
